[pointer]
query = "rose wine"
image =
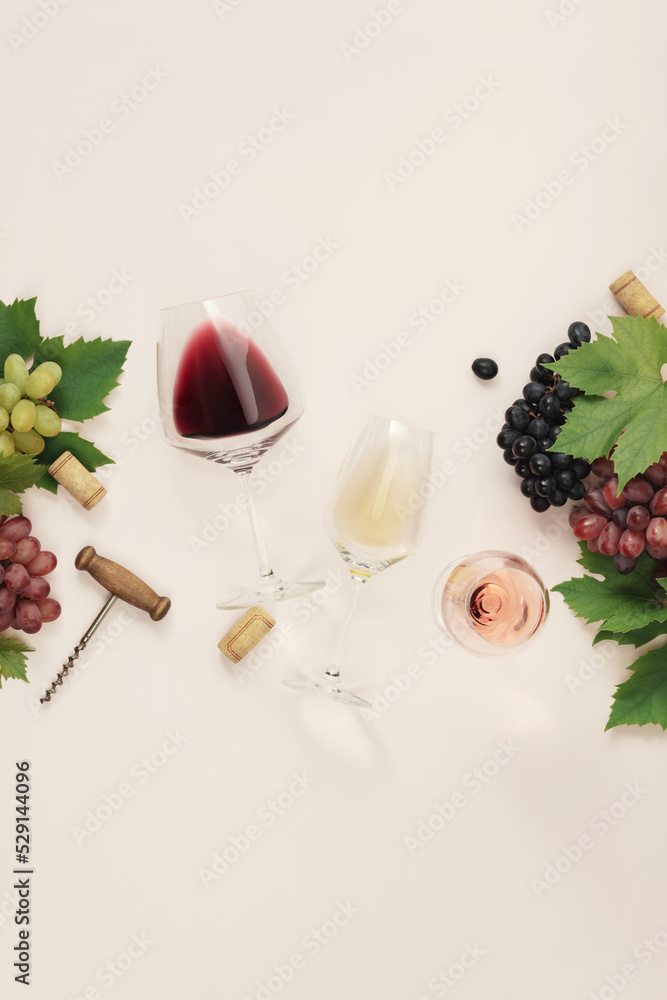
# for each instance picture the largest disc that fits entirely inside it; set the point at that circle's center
(225, 385)
(506, 607)
(490, 602)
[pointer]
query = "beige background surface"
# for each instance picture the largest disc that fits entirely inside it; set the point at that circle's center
(382, 169)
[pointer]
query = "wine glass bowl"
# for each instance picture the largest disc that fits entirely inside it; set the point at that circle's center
(374, 518)
(227, 393)
(491, 603)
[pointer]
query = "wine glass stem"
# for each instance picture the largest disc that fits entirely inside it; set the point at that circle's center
(257, 533)
(333, 670)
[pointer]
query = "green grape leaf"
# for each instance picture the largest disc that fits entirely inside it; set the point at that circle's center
(622, 603)
(84, 450)
(643, 697)
(635, 637)
(90, 371)
(635, 418)
(18, 472)
(13, 660)
(19, 329)
(9, 503)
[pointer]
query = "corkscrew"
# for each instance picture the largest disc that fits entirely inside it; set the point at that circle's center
(121, 583)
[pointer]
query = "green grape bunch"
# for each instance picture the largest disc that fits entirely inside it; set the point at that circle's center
(27, 416)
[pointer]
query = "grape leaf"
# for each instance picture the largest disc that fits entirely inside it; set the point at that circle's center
(84, 450)
(17, 473)
(622, 603)
(643, 697)
(635, 637)
(19, 329)
(628, 363)
(12, 659)
(90, 371)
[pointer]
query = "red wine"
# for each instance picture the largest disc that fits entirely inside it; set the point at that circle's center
(225, 385)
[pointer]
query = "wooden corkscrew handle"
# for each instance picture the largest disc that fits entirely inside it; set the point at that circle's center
(122, 583)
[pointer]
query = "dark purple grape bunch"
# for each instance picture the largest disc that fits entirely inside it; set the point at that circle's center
(532, 425)
(625, 524)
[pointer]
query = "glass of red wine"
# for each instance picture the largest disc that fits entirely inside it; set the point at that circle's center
(228, 392)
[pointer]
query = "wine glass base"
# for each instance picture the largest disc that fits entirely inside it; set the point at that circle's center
(334, 693)
(270, 593)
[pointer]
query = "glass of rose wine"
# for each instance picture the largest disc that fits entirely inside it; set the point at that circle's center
(227, 393)
(374, 518)
(492, 603)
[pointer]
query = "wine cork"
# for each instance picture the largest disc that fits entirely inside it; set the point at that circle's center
(246, 633)
(634, 297)
(81, 484)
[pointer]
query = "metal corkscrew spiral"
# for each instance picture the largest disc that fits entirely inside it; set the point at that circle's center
(121, 583)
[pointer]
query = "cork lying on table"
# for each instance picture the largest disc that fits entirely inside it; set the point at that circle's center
(635, 297)
(246, 633)
(81, 484)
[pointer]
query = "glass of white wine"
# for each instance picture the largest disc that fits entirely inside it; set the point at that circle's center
(374, 519)
(492, 603)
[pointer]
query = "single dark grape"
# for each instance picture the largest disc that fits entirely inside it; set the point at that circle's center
(623, 564)
(544, 375)
(565, 479)
(564, 390)
(620, 517)
(522, 468)
(528, 486)
(507, 437)
(517, 418)
(577, 491)
(485, 368)
(554, 432)
(545, 359)
(558, 498)
(580, 468)
(534, 391)
(559, 460)
(540, 465)
(578, 333)
(540, 504)
(522, 404)
(549, 408)
(545, 485)
(509, 457)
(524, 446)
(543, 444)
(538, 428)
(562, 350)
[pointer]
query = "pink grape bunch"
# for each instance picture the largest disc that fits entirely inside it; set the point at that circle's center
(24, 593)
(625, 524)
